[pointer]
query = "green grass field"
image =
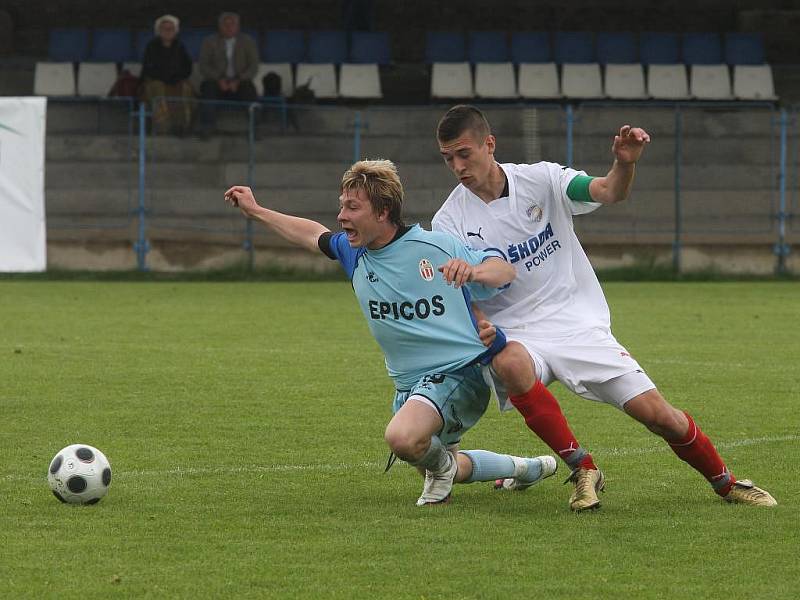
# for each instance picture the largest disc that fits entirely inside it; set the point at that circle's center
(244, 423)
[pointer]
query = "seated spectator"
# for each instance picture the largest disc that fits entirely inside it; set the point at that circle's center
(228, 62)
(166, 68)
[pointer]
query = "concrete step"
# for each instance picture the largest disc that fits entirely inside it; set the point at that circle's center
(327, 175)
(741, 151)
(78, 115)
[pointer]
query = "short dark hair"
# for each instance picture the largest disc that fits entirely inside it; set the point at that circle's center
(462, 118)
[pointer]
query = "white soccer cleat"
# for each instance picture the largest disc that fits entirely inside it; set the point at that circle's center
(439, 485)
(518, 483)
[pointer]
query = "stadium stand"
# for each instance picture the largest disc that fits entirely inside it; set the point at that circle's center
(445, 46)
(321, 79)
(111, 45)
(625, 82)
(574, 47)
(54, 79)
(326, 47)
(744, 48)
(538, 74)
(753, 82)
(451, 76)
(710, 82)
(659, 48)
(283, 46)
(494, 72)
(68, 45)
(96, 78)
(531, 47)
(667, 82)
(616, 48)
(702, 49)
(581, 80)
(539, 81)
(370, 47)
(193, 40)
(360, 75)
(284, 70)
(360, 81)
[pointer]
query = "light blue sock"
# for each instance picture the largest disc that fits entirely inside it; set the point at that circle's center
(488, 466)
(436, 457)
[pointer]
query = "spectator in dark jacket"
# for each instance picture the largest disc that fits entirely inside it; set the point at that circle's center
(166, 68)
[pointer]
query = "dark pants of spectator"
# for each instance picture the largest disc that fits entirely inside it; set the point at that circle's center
(209, 90)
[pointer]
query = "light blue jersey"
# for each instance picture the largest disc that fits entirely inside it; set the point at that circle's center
(422, 324)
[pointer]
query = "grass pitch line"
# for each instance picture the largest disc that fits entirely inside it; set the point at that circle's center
(720, 445)
(343, 467)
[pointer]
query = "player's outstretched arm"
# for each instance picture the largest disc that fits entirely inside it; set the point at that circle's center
(492, 272)
(627, 149)
(298, 231)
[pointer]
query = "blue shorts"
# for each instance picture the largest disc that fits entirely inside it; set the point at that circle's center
(461, 397)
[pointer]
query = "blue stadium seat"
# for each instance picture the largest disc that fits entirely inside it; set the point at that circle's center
(445, 46)
(659, 48)
(193, 39)
(327, 47)
(488, 47)
(140, 41)
(702, 49)
(111, 45)
(370, 48)
(283, 46)
(531, 47)
(574, 47)
(744, 49)
(616, 48)
(68, 45)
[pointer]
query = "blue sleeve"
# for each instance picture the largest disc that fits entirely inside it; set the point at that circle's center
(478, 291)
(344, 253)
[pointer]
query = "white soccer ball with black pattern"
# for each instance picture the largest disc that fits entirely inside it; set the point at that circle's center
(79, 474)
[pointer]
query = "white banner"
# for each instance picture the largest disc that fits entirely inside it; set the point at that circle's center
(23, 238)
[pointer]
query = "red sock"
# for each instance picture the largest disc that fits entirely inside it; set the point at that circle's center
(697, 450)
(543, 416)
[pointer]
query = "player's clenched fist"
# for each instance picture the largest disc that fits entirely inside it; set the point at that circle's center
(457, 272)
(242, 197)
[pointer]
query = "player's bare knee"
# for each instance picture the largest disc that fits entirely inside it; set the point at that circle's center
(404, 443)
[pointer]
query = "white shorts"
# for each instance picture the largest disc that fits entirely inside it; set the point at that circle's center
(592, 364)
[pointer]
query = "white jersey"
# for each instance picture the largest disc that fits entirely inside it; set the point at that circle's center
(556, 292)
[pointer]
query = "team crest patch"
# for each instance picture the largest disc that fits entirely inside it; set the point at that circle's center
(534, 212)
(426, 269)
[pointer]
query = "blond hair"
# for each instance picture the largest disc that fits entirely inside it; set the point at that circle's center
(381, 183)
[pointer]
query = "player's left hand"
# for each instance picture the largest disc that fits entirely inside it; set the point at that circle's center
(457, 272)
(629, 144)
(487, 332)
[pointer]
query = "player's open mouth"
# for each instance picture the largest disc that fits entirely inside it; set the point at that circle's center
(350, 233)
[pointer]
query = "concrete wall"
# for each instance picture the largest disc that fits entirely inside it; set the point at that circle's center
(728, 174)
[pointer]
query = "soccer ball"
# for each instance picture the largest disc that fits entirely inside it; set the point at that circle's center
(79, 474)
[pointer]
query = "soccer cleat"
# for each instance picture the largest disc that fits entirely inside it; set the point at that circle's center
(587, 483)
(745, 492)
(438, 486)
(519, 484)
